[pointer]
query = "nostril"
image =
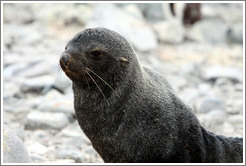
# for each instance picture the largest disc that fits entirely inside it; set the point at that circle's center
(65, 58)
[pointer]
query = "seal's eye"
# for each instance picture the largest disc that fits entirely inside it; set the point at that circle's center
(95, 53)
(65, 48)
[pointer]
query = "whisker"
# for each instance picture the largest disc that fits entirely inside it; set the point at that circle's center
(103, 80)
(59, 70)
(97, 86)
(86, 81)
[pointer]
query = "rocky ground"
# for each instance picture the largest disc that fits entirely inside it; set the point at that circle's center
(203, 62)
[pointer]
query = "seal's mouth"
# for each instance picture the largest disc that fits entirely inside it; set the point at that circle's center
(65, 64)
(71, 72)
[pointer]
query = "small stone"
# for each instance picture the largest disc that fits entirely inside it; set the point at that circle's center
(13, 149)
(171, 31)
(208, 104)
(236, 120)
(235, 34)
(37, 148)
(204, 88)
(215, 72)
(35, 84)
(46, 120)
(38, 158)
(204, 31)
(70, 152)
(153, 12)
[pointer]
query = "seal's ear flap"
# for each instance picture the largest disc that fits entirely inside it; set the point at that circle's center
(124, 60)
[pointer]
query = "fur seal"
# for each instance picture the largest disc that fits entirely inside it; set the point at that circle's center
(131, 113)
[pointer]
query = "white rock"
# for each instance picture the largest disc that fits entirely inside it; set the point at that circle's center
(214, 72)
(171, 31)
(37, 148)
(46, 120)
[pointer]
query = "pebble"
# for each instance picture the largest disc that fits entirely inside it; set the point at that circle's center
(37, 148)
(236, 120)
(171, 31)
(46, 120)
(70, 152)
(235, 34)
(208, 104)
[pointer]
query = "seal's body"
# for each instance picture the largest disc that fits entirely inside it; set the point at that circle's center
(129, 112)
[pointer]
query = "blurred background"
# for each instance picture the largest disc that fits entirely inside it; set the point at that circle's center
(197, 47)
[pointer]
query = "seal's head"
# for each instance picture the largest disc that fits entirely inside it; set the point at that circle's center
(96, 52)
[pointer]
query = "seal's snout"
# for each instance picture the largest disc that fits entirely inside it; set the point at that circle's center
(65, 58)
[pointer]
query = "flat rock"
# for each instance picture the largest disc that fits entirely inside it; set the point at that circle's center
(35, 84)
(215, 72)
(46, 120)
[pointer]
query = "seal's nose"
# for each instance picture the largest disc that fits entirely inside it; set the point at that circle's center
(65, 57)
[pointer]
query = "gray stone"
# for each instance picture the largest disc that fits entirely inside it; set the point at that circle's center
(13, 149)
(228, 12)
(171, 31)
(236, 120)
(153, 12)
(46, 120)
(215, 72)
(70, 152)
(235, 34)
(43, 67)
(38, 158)
(35, 84)
(212, 31)
(209, 104)
(135, 30)
(28, 68)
